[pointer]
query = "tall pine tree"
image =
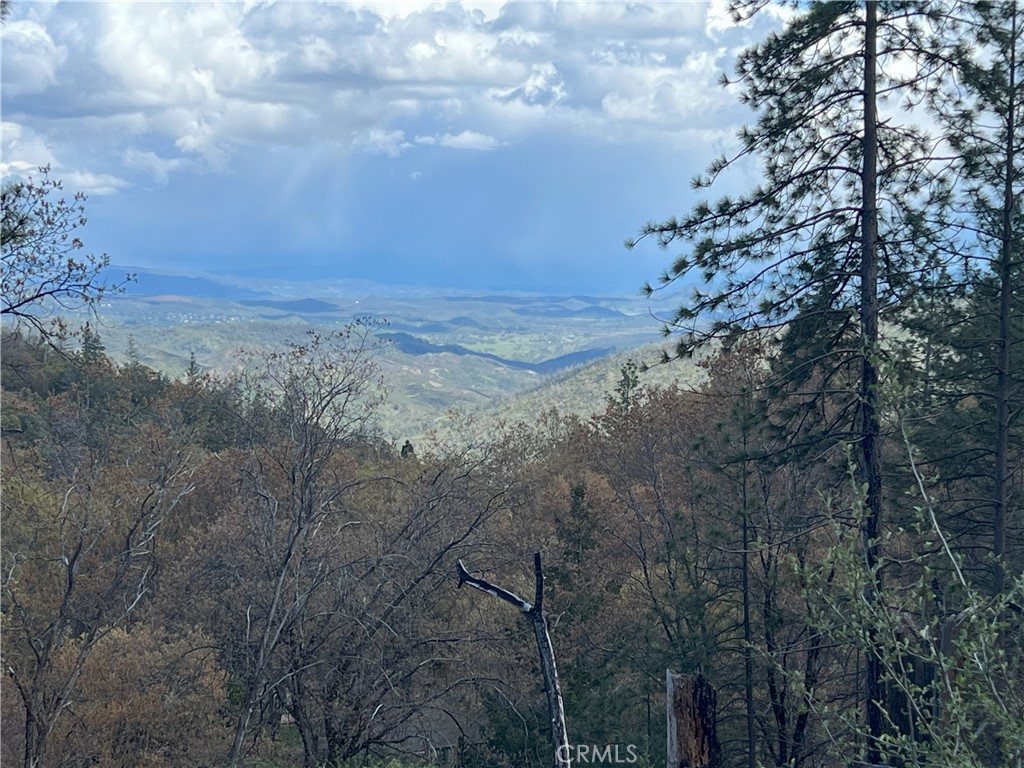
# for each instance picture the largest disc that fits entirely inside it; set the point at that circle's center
(976, 339)
(829, 244)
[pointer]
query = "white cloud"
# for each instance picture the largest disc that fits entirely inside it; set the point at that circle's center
(149, 162)
(397, 9)
(30, 58)
(631, 20)
(457, 56)
(401, 9)
(543, 87)
(182, 64)
(209, 79)
(394, 143)
(381, 142)
(22, 150)
(317, 54)
(686, 94)
(468, 140)
(719, 17)
(94, 183)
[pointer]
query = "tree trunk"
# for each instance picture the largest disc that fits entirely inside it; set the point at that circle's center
(306, 728)
(535, 614)
(241, 727)
(869, 426)
(748, 661)
(31, 758)
(1005, 342)
(692, 722)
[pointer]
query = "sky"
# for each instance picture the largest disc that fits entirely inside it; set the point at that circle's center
(471, 145)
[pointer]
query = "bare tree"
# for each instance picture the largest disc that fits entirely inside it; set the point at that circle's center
(78, 560)
(378, 665)
(535, 614)
(301, 405)
(43, 272)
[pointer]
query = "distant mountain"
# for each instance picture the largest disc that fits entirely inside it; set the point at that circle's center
(422, 328)
(572, 359)
(299, 306)
(502, 299)
(437, 326)
(584, 390)
(522, 300)
(233, 285)
(149, 283)
(465, 322)
(413, 345)
(556, 311)
(451, 351)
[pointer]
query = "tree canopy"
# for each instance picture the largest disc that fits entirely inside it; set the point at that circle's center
(44, 272)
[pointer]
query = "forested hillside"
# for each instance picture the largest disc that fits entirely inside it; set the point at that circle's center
(447, 351)
(823, 523)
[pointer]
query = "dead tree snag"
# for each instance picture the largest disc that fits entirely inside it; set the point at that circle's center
(535, 614)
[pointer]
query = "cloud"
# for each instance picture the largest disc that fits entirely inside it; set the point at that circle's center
(149, 162)
(381, 142)
(394, 143)
(684, 95)
(204, 83)
(317, 55)
(719, 17)
(468, 140)
(30, 58)
(23, 150)
(464, 140)
(181, 66)
(94, 183)
(542, 87)
(30, 153)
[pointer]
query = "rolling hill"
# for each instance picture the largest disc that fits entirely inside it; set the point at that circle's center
(494, 355)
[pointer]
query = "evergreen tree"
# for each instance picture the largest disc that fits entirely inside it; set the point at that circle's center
(92, 346)
(830, 242)
(193, 373)
(975, 340)
(132, 355)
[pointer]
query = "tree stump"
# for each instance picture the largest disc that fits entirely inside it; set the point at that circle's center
(692, 725)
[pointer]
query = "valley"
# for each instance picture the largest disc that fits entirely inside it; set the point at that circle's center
(490, 355)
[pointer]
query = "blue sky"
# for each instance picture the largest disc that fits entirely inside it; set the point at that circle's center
(469, 145)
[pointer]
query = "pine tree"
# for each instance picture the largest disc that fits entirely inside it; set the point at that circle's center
(982, 112)
(133, 358)
(829, 244)
(92, 345)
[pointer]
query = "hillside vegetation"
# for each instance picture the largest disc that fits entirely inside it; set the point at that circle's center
(444, 353)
